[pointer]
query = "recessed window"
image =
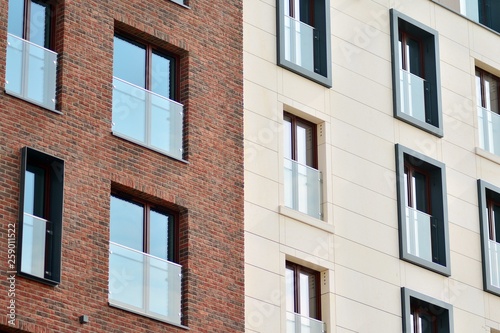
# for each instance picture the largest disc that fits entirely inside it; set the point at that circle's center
(416, 80)
(145, 91)
(303, 183)
(422, 210)
(144, 276)
(483, 11)
(487, 96)
(489, 213)
(39, 252)
(31, 64)
(304, 38)
(303, 302)
(423, 314)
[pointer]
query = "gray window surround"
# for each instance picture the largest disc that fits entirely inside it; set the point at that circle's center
(324, 75)
(438, 200)
(483, 187)
(55, 167)
(429, 37)
(443, 310)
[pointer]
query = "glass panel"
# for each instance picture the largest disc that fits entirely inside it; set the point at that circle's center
(308, 295)
(31, 72)
(16, 18)
(418, 234)
(470, 9)
(34, 191)
(302, 188)
(295, 323)
(39, 25)
(414, 58)
(412, 95)
(126, 223)
(287, 136)
(305, 148)
(491, 92)
(420, 191)
(161, 76)
(299, 39)
(161, 235)
(489, 130)
(290, 289)
(144, 284)
(129, 62)
(166, 125)
(33, 248)
(494, 259)
(496, 223)
(425, 323)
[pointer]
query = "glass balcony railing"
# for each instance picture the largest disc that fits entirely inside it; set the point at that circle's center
(144, 284)
(299, 43)
(33, 250)
(413, 95)
(296, 323)
(303, 188)
(31, 72)
(489, 130)
(494, 254)
(147, 118)
(418, 234)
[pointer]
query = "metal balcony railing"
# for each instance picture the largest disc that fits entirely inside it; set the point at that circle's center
(299, 43)
(33, 245)
(418, 233)
(414, 90)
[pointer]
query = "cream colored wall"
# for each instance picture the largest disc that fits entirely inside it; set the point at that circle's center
(356, 247)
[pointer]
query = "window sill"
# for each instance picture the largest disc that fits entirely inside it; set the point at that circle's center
(37, 279)
(304, 218)
(31, 101)
(486, 154)
(129, 309)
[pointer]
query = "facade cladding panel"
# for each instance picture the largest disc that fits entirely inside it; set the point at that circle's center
(189, 178)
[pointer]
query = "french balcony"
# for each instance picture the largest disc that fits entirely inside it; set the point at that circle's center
(30, 72)
(146, 118)
(299, 43)
(489, 130)
(296, 323)
(418, 234)
(144, 284)
(494, 255)
(303, 188)
(414, 92)
(35, 231)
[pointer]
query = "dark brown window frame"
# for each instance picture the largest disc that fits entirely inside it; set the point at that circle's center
(405, 36)
(296, 290)
(482, 73)
(295, 120)
(419, 308)
(490, 203)
(147, 207)
(150, 48)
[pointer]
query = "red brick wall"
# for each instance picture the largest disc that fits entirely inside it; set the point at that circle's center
(207, 191)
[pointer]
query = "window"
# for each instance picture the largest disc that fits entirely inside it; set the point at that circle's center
(143, 274)
(489, 214)
(40, 226)
(422, 210)
(483, 11)
(423, 314)
(488, 111)
(303, 300)
(416, 80)
(31, 65)
(304, 38)
(303, 185)
(144, 94)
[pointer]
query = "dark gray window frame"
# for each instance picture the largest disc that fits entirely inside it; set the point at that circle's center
(442, 310)
(429, 38)
(324, 77)
(439, 205)
(482, 187)
(56, 199)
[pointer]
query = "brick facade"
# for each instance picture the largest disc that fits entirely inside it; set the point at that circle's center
(206, 189)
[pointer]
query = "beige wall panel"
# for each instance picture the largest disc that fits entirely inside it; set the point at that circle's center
(263, 285)
(255, 154)
(465, 242)
(467, 270)
(461, 186)
(460, 134)
(264, 192)
(259, 43)
(262, 317)
(263, 131)
(260, 100)
(261, 14)
(424, 281)
(260, 71)
(459, 159)
(261, 221)
(462, 213)
(303, 237)
(263, 253)
(304, 91)
(466, 322)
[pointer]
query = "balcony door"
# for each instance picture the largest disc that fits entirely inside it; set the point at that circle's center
(487, 96)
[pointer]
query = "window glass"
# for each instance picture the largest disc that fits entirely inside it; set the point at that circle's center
(16, 14)
(302, 291)
(161, 75)
(287, 132)
(39, 31)
(129, 62)
(34, 188)
(160, 231)
(126, 223)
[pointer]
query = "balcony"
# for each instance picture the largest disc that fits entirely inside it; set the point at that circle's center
(33, 251)
(146, 118)
(31, 72)
(303, 188)
(418, 234)
(489, 130)
(414, 92)
(296, 323)
(144, 284)
(299, 43)
(494, 255)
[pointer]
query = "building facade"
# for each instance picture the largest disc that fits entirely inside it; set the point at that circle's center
(372, 169)
(121, 162)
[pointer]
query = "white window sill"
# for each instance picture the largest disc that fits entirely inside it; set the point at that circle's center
(304, 218)
(486, 154)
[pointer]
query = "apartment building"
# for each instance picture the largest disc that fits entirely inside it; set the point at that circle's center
(372, 166)
(121, 166)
